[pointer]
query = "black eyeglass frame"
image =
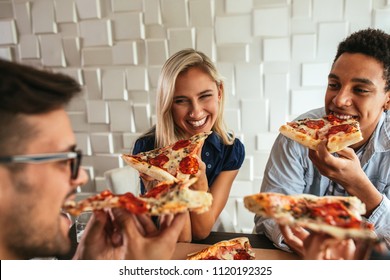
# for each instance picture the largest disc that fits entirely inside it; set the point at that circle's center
(74, 157)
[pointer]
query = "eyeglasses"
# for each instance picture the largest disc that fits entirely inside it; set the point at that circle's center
(74, 158)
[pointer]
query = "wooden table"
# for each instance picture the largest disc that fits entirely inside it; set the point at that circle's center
(183, 249)
(262, 246)
(256, 240)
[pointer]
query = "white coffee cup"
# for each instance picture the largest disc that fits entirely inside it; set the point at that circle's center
(81, 222)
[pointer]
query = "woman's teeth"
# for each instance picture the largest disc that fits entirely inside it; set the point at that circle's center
(198, 123)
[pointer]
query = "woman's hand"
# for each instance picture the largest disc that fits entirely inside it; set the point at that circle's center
(149, 182)
(202, 183)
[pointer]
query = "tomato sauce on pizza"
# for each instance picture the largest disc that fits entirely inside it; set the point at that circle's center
(165, 198)
(171, 163)
(310, 132)
(335, 215)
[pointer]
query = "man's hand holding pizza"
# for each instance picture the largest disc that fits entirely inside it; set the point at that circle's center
(321, 246)
(339, 169)
(143, 240)
(346, 171)
(101, 240)
(130, 236)
(294, 237)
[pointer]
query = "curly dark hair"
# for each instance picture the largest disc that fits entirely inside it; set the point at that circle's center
(25, 91)
(371, 42)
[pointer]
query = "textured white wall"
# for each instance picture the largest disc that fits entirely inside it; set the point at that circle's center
(275, 55)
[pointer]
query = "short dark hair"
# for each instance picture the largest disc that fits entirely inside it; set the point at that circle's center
(25, 90)
(371, 42)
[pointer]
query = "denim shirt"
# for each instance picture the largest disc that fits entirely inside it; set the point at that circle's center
(290, 171)
(217, 156)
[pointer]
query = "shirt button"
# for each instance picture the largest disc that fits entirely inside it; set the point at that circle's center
(209, 165)
(207, 154)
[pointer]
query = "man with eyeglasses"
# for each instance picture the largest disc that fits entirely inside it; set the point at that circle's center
(40, 170)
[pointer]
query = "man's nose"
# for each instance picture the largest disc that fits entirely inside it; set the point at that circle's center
(81, 179)
(343, 98)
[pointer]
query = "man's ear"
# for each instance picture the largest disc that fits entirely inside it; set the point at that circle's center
(387, 103)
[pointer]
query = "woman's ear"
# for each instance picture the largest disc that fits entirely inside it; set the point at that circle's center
(220, 90)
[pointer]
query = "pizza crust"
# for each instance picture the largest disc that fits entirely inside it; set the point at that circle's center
(170, 170)
(313, 137)
(337, 232)
(219, 249)
(279, 207)
(179, 198)
(182, 199)
(340, 141)
(152, 171)
(299, 137)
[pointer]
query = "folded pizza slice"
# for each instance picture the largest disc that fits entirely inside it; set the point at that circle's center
(171, 163)
(335, 215)
(233, 249)
(311, 132)
(166, 198)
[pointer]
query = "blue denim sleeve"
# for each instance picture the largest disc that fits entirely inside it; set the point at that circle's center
(236, 157)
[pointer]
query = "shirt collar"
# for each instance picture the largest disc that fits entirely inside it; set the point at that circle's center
(380, 139)
(215, 140)
(382, 133)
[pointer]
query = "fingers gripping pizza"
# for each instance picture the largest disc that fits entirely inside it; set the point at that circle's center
(334, 215)
(165, 198)
(310, 132)
(171, 163)
(233, 249)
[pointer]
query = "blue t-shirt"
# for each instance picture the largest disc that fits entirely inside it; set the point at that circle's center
(217, 156)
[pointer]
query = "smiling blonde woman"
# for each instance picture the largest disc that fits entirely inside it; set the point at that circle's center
(190, 100)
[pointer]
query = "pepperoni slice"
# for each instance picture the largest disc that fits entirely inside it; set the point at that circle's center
(157, 191)
(132, 203)
(105, 193)
(189, 165)
(340, 128)
(301, 130)
(242, 255)
(293, 124)
(101, 196)
(335, 214)
(315, 124)
(211, 258)
(159, 160)
(333, 118)
(181, 144)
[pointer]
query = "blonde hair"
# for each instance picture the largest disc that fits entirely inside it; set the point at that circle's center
(165, 130)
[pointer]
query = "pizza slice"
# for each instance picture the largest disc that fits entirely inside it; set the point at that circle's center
(233, 249)
(335, 215)
(311, 132)
(166, 198)
(176, 162)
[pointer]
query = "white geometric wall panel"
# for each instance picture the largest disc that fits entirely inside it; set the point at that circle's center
(8, 32)
(264, 22)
